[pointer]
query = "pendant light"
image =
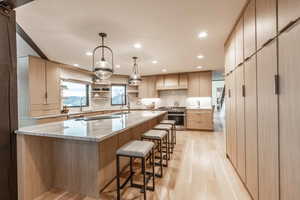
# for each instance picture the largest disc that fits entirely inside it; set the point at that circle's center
(103, 67)
(135, 77)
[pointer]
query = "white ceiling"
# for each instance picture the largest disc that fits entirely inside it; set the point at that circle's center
(167, 29)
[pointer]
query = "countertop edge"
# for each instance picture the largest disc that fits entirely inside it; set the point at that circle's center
(88, 139)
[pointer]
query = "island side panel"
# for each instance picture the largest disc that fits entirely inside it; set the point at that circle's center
(35, 169)
(76, 166)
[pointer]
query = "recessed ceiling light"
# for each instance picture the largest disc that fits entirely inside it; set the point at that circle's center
(137, 45)
(154, 62)
(89, 53)
(118, 66)
(163, 70)
(199, 67)
(202, 34)
(200, 56)
(76, 65)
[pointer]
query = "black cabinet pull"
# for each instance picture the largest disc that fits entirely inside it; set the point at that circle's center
(243, 90)
(276, 79)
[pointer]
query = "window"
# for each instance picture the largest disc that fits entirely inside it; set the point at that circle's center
(75, 94)
(118, 95)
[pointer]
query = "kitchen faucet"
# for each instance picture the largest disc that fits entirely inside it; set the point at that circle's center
(128, 102)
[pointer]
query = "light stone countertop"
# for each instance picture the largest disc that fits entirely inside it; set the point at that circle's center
(93, 131)
(83, 112)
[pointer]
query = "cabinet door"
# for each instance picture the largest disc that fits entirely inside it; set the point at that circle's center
(53, 83)
(288, 10)
(227, 117)
(37, 81)
(160, 82)
(194, 85)
(240, 124)
(151, 87)
(232, 52)
(289, 109)
(227, 57)
(251, 127)
(249, 29)
(205, 86)
(143, 88)
(266, 21)
(267, 123)
(171, 81)
(240, 41)
(233, 119)
(183, 81)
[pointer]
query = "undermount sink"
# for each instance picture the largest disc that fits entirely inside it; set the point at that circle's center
(99, 118)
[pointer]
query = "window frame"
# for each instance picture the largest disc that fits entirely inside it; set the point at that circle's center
(125, 86)
(87, 88)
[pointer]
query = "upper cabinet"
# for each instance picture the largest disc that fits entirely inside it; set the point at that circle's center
(288, 11)
(231, 52)
(239, 42)
(172, 82)
(147, 88)
(39, 86)
(266, 21)
(183, 81)
(200, 84)
(249, 30)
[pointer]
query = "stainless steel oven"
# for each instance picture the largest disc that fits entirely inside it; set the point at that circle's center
(177, 114)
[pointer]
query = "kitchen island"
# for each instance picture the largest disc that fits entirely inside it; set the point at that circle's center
(76, 155)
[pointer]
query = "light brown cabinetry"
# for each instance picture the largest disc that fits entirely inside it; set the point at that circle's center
(183, 81)
(240, 41)
(201, 119)
(289, 109)
(147, 88)
(39, 86)
(266, 21)
(288, 11)
(172, 82)
(240, 123)
(250, 29)
(233, 119)
(267, 123)
(200, 84)
(251, 127)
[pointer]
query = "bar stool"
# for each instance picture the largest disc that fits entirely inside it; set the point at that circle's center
(158, 137)
(136, 149)
(173, 123)
(168, 128)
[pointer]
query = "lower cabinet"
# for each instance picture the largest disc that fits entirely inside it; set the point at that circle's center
(200, 119)
(268, 145)
(251, 127)
(240, 123)
(289, 118)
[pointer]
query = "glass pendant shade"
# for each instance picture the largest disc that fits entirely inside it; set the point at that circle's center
(103, 67)
(135, 77)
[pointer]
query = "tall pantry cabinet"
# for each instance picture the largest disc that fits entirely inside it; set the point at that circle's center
(267, 122)
(271, 100)
(289, 112)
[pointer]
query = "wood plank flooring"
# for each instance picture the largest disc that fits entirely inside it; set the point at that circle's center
(198, 171)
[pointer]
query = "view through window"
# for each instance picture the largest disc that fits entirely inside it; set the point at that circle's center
(75, 94)
(118, 95)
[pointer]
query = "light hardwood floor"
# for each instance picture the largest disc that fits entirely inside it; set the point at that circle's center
(198, 171)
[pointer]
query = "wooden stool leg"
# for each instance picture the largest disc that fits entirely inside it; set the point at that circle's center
(153, 170)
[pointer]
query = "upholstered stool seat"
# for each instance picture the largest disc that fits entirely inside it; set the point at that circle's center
(136, 149)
